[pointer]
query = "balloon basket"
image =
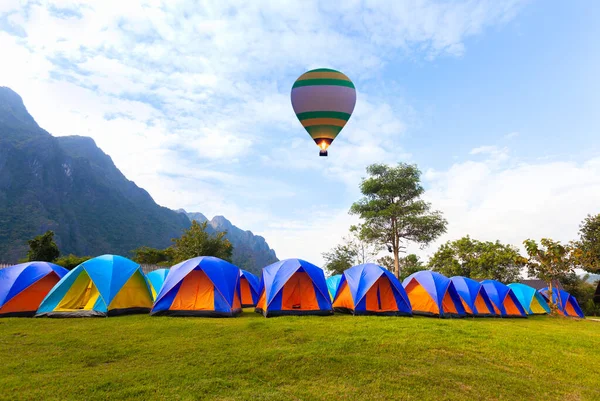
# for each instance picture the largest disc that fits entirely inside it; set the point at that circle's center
(323, 153)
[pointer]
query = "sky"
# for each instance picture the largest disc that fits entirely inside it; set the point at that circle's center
(497, 102)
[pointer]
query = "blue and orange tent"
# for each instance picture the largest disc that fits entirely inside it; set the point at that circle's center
(24, 286)
(332, 284)
(370, 289)
(103, 286)
(293, 287)
(156, 279)
(202, 286)
(432, 294)
(566, 303)
(506, 303)
(474, 298)
(532, 301)
(249, 288)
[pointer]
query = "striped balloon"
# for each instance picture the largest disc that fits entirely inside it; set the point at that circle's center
(323, 100)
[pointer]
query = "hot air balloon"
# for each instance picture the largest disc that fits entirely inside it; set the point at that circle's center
(323, 100)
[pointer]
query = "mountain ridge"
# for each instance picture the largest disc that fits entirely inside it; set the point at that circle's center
(69, 185)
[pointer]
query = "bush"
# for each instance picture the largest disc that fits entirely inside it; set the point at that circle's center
(70, 262)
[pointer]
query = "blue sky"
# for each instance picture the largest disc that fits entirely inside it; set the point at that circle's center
(496, 101)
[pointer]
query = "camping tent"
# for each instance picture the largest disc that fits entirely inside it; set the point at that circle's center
(566, 303)
(370, 289)
(532, 301)
(249, 288)
(293, 287)
(474, 297)
(332, 284)
(24, 286)
(504, 299)
(103, 286)
(156, 279)
(202, 286)
(432, 294)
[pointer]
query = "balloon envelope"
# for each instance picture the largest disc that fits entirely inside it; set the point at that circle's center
(323, 100)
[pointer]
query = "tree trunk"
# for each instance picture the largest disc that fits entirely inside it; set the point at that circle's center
(553, 308)
(396, 261)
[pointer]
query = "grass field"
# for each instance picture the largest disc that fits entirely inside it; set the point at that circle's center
(299, 358)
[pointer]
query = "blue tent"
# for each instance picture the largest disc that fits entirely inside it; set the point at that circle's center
(432, 294)
(474, 297)
(24, 286)
(566, 303)
(293, 287)
(532, 301)
(249, 284)
(332, 284)
(370, 289)
(156, 279)
(506, 303)
(202, 286)
(103, 286)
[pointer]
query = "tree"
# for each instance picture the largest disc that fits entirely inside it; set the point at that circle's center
(354, 250)
(43, 248)
(408, 265)
(550, 261)
(339, 259)
(393, 212)
(587, 250)
(71, 261)
(478, 259)
(153, 256)
(195, 241)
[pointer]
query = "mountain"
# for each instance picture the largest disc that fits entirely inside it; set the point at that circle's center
(250, 252)
(69, 185)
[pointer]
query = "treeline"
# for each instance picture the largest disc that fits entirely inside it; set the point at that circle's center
(393, 214)
(195, 241)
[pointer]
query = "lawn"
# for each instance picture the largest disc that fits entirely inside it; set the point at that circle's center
(299, 358)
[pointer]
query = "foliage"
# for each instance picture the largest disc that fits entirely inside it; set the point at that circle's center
(472, 258)
(550, 261)
(195, 241)
(339, 259)
(583, 291)
(587, 248)
(354, 250)
(153, 256)
(43, 248)
(409, 264)
(393, 211)
(141, 357)
(71, 261)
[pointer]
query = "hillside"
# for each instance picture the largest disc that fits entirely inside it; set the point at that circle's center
(251, 252)
(299, 358)
(69, 185)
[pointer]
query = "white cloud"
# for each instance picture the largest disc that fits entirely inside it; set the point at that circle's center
(515, 200)
(191, 99)
(511, 135)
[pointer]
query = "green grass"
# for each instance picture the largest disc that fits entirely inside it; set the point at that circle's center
(299, 358)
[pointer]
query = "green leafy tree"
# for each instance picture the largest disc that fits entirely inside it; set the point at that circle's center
(549, 261)
(71, 261)
(583, 290)
(469, 257)
(340, 258)
(409, 264)
(393, 212)
(354, 250)
(153, 256)
(586, 251)
(195, 241)
(43, 248)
